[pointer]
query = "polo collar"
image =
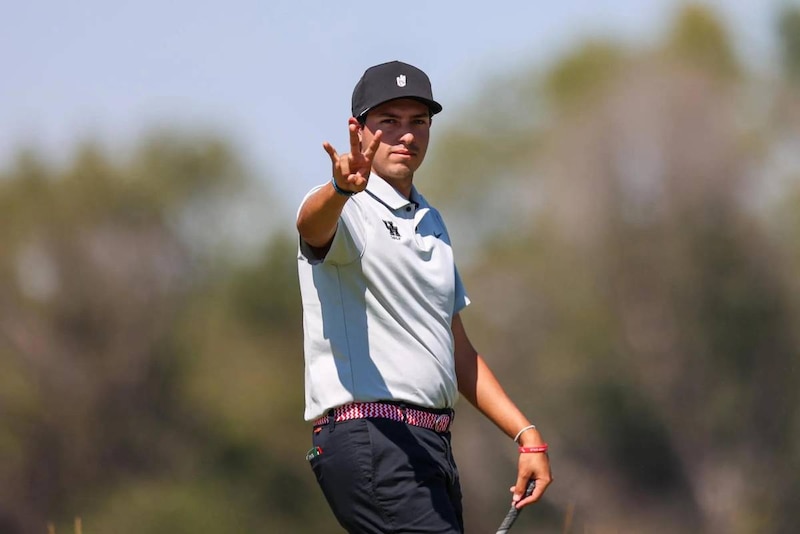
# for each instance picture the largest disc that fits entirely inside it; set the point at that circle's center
(383, 191)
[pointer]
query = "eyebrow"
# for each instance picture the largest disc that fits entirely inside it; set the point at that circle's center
(394, 115)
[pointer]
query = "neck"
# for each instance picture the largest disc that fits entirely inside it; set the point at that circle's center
(401, 185)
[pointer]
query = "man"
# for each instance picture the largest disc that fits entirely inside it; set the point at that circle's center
(386, 352)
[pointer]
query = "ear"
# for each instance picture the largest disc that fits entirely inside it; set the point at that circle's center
(359, 129)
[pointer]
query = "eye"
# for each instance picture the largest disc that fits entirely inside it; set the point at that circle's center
(389, 121)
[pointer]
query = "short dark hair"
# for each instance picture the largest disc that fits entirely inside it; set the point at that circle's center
(362, 119)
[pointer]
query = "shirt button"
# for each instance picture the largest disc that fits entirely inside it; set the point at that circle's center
(408, 208)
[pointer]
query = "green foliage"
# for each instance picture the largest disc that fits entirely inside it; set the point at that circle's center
(582, 74)
(635, 438)
(119, 406)
(699, 39)
(630, 300)
(262, 294)
(624, 291)
(789, 32)
(155, 507)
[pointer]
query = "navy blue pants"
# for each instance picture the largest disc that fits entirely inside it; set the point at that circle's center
(381, 476)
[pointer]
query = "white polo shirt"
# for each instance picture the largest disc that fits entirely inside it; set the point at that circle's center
(377, 311)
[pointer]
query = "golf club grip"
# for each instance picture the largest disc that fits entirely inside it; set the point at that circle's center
(512, 514)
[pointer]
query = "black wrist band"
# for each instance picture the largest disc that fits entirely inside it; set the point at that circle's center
(341, 191)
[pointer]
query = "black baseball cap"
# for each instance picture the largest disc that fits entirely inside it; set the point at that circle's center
(389, 81)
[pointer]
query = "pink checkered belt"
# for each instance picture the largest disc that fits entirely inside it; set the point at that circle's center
(438, 420)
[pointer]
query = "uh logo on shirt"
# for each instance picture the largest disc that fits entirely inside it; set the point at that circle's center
(394, 233)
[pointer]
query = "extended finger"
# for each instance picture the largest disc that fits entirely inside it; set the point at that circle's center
(373, 145)
(331, 152)
(355, 142)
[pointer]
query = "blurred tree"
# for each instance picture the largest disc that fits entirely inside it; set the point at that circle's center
(629, 296)
(263, 293)
(494, 148)
(582, 74)
(699, 39)
(789, 32)
(127, 367)
(638, 308)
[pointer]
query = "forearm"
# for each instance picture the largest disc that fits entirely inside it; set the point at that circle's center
(319, 216)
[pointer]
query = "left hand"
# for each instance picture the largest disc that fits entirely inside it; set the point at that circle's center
(532, 465)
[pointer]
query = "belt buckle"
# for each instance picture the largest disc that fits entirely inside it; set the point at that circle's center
(441, 422)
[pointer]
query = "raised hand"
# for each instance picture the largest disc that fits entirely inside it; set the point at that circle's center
(351, 170)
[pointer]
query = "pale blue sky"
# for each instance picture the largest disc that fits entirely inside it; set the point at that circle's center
(275, 76)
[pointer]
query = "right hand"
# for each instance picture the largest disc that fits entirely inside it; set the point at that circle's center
(351, 170)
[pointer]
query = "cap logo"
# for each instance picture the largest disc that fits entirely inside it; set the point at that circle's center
(401, 80)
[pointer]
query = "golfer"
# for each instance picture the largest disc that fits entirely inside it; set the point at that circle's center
(386, 352)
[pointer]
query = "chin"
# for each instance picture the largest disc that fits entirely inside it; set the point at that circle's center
(395, 172)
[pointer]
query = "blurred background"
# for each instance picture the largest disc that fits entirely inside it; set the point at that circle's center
(621, 182)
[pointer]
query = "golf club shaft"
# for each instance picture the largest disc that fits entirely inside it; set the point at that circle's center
(512, 514)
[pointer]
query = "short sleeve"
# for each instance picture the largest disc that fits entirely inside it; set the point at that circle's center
(348, 241)
(460, 300)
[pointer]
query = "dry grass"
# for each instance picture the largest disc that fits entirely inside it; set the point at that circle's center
(78, 528)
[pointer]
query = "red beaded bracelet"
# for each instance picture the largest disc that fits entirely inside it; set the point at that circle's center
(541, 448)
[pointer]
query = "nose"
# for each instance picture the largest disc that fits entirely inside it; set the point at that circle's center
(407, 138)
